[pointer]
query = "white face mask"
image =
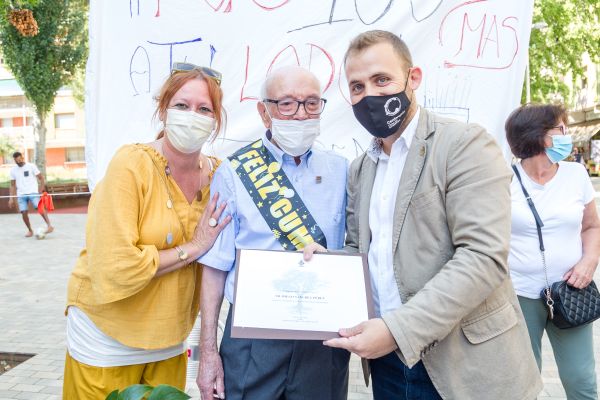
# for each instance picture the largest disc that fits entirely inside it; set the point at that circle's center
(295, 137)
(187, 130)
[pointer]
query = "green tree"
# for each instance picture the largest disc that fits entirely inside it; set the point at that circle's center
(44, 63)
(567, 29)
(7, 147)
(7, 5)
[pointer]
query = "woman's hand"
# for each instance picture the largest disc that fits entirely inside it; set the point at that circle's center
(208, 229)
(581, 274)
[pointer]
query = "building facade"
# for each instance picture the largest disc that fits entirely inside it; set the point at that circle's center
(584, 115)
(65, 135)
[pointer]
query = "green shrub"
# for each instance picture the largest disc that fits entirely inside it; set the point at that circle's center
(138, 392)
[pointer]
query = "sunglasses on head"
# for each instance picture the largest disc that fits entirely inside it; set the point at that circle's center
(184, 67)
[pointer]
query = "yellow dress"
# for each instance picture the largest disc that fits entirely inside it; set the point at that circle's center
(128, 223)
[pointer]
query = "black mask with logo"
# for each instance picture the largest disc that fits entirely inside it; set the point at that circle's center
(382, 115)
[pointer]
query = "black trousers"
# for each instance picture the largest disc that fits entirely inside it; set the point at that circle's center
(259, 369)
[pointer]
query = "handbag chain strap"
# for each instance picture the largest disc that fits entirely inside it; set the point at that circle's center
(538, 225)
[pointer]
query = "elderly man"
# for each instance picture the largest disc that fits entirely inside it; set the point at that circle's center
(429, 202)
(274, 369)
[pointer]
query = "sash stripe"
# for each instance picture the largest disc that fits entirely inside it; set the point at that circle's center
(275, 197)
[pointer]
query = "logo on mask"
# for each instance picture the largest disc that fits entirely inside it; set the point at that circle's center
(386, 107)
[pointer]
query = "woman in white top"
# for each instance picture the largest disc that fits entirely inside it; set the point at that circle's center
(564, 198)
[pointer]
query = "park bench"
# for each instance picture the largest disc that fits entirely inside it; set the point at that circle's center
(71, 187)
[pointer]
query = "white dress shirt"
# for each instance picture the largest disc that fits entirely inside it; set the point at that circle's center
(381, 222)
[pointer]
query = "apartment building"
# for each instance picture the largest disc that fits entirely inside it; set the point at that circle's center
(65, 137)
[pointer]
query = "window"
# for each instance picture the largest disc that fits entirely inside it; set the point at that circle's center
(6, 122)
(64, 121)
(75, 154)
(17, 121)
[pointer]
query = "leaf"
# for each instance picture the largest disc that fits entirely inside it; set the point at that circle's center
(114, 395)
(167, 392)
(135, 392)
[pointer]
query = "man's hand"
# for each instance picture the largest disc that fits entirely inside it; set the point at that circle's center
(369, 339)
(210, 379)
(312, 248)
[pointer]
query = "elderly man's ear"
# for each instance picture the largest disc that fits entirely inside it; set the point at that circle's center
(264, 115)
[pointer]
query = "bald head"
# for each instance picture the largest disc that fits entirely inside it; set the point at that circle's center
(287, 84)
(288, 76)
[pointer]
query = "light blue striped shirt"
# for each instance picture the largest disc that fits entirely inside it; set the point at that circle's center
(325, 198)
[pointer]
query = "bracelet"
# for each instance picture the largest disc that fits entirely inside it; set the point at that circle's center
(182, 255)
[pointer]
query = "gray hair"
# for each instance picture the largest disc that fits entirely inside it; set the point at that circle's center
(278, 73)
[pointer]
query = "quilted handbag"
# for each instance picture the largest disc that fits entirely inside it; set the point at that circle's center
(572, 306)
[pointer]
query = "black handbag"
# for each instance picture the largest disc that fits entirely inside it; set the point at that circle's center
(568, 307)
(572, 306)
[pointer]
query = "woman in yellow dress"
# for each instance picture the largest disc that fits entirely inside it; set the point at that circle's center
(134, 294)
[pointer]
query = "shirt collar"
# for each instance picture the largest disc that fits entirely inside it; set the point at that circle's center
(280, 155)
(375, 149)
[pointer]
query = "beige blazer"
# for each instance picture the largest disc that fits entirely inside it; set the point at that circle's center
(451, 236)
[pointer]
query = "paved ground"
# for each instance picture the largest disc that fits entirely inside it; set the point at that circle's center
(33, 276)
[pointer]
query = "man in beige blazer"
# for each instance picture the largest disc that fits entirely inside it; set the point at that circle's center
(429, 202)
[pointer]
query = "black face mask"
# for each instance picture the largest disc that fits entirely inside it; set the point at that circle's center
(382, 115)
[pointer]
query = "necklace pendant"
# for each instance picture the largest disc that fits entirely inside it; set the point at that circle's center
(169, 204)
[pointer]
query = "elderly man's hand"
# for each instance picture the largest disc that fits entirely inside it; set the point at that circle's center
(210, 378)
(369, 339)
(312, 248)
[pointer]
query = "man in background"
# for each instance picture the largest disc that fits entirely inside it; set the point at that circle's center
(24, 180)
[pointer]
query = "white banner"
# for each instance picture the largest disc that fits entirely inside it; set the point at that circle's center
(473, 55)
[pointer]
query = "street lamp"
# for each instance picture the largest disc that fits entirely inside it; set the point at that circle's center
(539, 26)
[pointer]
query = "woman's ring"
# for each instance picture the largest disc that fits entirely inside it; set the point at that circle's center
(212, 222)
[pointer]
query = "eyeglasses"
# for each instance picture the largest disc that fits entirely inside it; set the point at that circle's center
(563, 129)
(184, 67)
(290, 107)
